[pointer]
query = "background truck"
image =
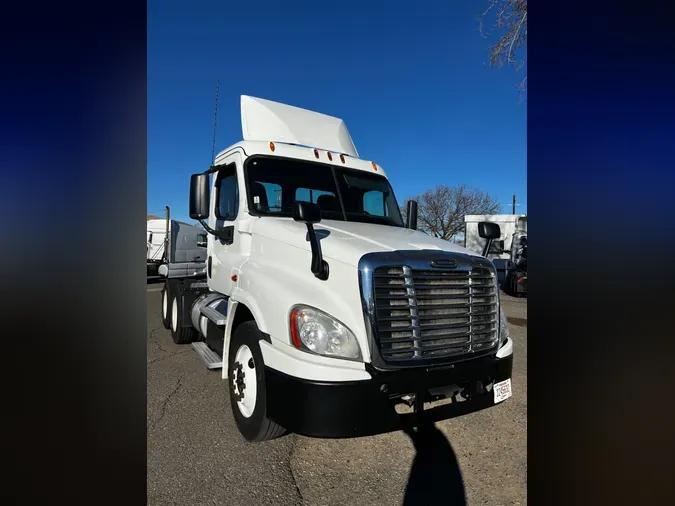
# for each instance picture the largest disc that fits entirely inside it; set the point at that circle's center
(323, 309)
(513, 228)
(175, 248)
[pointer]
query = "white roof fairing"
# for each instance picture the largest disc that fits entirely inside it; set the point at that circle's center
(264, 120)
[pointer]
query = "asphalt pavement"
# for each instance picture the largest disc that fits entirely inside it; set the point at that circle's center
(196, 456)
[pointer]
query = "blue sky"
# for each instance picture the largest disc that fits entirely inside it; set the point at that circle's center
(413, 87)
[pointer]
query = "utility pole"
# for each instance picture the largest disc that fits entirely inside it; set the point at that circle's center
(514, 205)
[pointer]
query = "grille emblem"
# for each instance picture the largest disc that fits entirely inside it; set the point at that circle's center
(446, 264)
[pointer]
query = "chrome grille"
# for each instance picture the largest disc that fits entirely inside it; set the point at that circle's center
(431, 314)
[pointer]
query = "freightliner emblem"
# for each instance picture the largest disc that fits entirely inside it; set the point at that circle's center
(446, 264)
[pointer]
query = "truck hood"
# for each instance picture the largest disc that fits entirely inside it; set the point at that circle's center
(347, 242)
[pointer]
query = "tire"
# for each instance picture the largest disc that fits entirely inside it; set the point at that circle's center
(249, 412)
(511, 291)
(166, 297)
(180, 334)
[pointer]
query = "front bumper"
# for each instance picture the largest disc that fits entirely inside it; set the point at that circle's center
(363, 408)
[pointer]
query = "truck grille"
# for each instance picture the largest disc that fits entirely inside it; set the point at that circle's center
(431, 314)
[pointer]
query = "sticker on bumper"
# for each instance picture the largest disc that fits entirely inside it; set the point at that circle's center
(502, 390)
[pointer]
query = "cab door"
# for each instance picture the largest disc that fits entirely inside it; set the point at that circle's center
(224, 255)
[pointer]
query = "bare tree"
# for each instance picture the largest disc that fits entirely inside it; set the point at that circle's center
(509, 18)
(441, 211)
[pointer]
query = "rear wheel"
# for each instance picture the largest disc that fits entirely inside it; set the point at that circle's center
(180, 334)
(248, 395)
(166, 297)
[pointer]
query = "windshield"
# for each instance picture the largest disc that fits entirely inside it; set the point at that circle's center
(274, 184)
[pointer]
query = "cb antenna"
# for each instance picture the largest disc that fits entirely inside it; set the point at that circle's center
(215, 122)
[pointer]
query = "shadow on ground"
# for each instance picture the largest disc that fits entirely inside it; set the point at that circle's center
(435, 477)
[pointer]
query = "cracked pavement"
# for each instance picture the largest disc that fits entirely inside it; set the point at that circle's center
(197, 457)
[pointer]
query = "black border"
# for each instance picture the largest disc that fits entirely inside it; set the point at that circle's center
(73, 143)
(600, 184)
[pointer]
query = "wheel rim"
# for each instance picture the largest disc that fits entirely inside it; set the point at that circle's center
(164, 305)
(244, 381)
(174, 315)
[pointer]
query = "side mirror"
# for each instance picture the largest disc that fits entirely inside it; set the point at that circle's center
(199, 196)
(411, 215)
(306, 212)
(309, 213)
(488, 230)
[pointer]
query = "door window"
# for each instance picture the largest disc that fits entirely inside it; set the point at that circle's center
(227, 199)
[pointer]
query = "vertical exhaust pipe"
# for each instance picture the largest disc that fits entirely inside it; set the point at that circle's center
(165, 255)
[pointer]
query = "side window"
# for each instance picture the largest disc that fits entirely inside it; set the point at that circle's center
(273, 192)
(227, 203)
(201, 240)
(373, 203)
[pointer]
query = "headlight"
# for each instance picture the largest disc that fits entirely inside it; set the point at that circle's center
(504, 333)
(315, 331)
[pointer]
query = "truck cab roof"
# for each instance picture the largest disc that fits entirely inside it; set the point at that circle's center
(276, 129)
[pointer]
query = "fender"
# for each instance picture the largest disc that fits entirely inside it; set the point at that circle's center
(232, 310)
(278, 277)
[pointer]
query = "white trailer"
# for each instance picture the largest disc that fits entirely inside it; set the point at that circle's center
(511, 225)
(322, 308)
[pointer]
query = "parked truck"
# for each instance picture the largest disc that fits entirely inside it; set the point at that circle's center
(175, 248)
(504, 250)
(322, 308)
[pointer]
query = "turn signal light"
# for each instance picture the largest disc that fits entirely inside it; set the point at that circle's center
(374, 165)
(294, 328)
(272, 147)
(342, 158)
(316, 153)
(330, 156)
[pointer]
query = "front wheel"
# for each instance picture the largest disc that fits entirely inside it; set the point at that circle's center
(248, 395)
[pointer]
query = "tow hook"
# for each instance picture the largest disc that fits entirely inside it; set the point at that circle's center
(414, 401)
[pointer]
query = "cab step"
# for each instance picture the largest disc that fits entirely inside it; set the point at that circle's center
(214, 315)
(208, 356)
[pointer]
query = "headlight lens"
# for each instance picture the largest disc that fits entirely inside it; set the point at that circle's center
(504, 333)
(315, 331)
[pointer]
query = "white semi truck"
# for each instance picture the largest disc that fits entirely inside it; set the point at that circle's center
(322, 307)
